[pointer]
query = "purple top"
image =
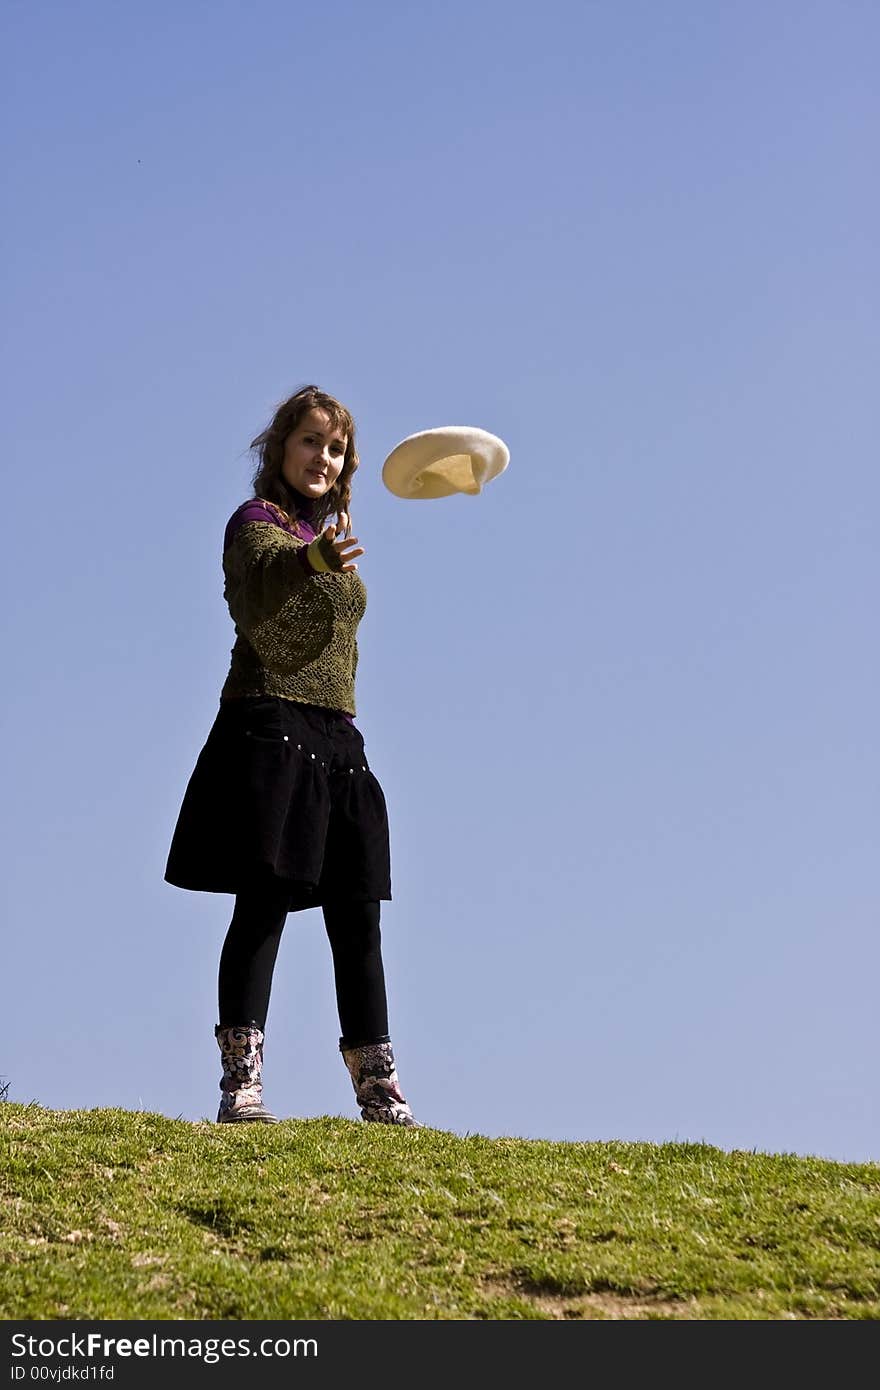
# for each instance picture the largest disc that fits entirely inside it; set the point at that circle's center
(256, 509)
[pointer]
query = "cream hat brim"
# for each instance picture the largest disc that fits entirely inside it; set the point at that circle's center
(437, 463)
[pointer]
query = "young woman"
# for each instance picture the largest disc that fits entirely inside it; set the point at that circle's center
(282, 809)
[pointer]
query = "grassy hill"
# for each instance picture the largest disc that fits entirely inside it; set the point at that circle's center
(110, 1214)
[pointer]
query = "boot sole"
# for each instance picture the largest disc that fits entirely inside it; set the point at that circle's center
(250, 1120)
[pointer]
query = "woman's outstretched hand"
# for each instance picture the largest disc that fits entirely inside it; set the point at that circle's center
(346, 547)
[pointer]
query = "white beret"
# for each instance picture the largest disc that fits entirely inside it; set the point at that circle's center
(437, 463)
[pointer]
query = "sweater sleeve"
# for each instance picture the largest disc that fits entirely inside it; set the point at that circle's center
(276, 601)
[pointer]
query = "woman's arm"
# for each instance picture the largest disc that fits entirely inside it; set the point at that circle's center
(276, 598)
(264, 567)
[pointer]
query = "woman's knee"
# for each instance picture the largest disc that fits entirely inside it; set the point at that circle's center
(348, 923)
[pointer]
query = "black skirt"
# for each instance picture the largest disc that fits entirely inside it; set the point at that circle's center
(283, 789)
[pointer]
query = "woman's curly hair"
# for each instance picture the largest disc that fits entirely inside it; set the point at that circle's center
(269, 482)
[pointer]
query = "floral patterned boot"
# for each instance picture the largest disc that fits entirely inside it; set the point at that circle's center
(377, 1085)
(241, 1052)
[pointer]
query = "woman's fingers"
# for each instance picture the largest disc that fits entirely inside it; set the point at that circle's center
(335, 535)
(346, 543)
(347, 553)
(347, 547)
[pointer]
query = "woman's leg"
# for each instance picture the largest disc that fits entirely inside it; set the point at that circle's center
(356, 943)
(353, 929)
(249, 951)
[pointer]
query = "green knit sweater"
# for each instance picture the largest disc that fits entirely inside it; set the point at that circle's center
(295, 630)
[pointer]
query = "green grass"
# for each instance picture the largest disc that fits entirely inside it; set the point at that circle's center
(110, 1214)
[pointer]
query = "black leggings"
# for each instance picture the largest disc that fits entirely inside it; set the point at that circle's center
(251, 946)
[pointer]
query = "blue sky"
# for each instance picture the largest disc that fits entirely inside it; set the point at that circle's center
(623, 703)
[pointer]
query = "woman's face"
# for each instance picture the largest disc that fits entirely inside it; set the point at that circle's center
(313, 454)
